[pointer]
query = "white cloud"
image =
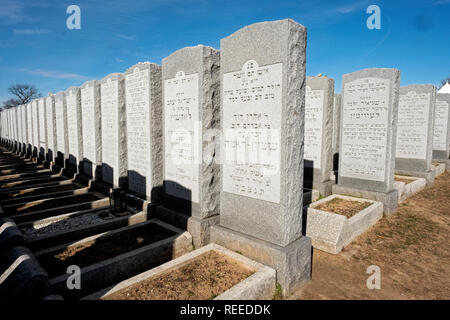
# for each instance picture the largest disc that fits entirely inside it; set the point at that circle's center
(55, 74)
(352, 7)
(119, 60)
(30, 31)
(126, 37)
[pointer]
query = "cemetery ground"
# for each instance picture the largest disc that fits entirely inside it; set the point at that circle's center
(410, 247)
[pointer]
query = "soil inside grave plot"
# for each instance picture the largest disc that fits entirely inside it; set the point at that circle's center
(343, 207)
(406, 181)
(205, 277)
(51, 204)
(86, 254)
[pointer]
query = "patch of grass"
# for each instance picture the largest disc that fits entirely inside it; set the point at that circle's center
(278, 295)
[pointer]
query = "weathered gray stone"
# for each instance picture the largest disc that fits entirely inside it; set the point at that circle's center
(263, 85)
(114, 140)
(35, 125)
(144, 130)
(29, 130)
(61, 136)
(191, 111)
(368, 134)
(21, 276)
(10, 235)
(23, 116)
(318, 159)
(91, 129)
(42, 128)
(74, 128)
(337, 107)
(441, 135)
(415, 131)
(51, 127)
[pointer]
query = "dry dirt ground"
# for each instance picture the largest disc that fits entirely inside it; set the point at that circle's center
(411, 248)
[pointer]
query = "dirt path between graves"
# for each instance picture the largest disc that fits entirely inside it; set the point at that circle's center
(412, 249)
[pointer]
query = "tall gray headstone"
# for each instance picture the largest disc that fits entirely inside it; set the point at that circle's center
(62, 147)
(318, 134)
(337, 107)
(441, 135)
(92, 129)
(35, 124)
(29, 130)
(23, 119)
(144, 130)
(51, 127)
(415, 131)
(114, 140)
(42, 128)
(73, 107)
(263, 105)
(19, 128)
(191, 104)
(368, 135)
(15, 129)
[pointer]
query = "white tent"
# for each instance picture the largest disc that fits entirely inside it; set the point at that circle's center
(445, 88)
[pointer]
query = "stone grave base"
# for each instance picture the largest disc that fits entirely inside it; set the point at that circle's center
(292, 263)
(331, 232)
(428, 176)
(389, 199)
(438, 169)
(406, 190)
(104, 273)
(260, 285)
(443, 161)
(324, 188)
(198, 228)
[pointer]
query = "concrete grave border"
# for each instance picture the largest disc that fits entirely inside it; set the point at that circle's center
(408, 190)
(260, 285)
(331, 232)
(100, 273)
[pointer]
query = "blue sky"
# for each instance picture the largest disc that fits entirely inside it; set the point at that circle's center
(37, 48)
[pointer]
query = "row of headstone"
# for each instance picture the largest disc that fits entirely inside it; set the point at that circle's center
(157, 130)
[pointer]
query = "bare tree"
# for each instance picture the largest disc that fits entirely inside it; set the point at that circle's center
(24, 92)
(10, 103)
